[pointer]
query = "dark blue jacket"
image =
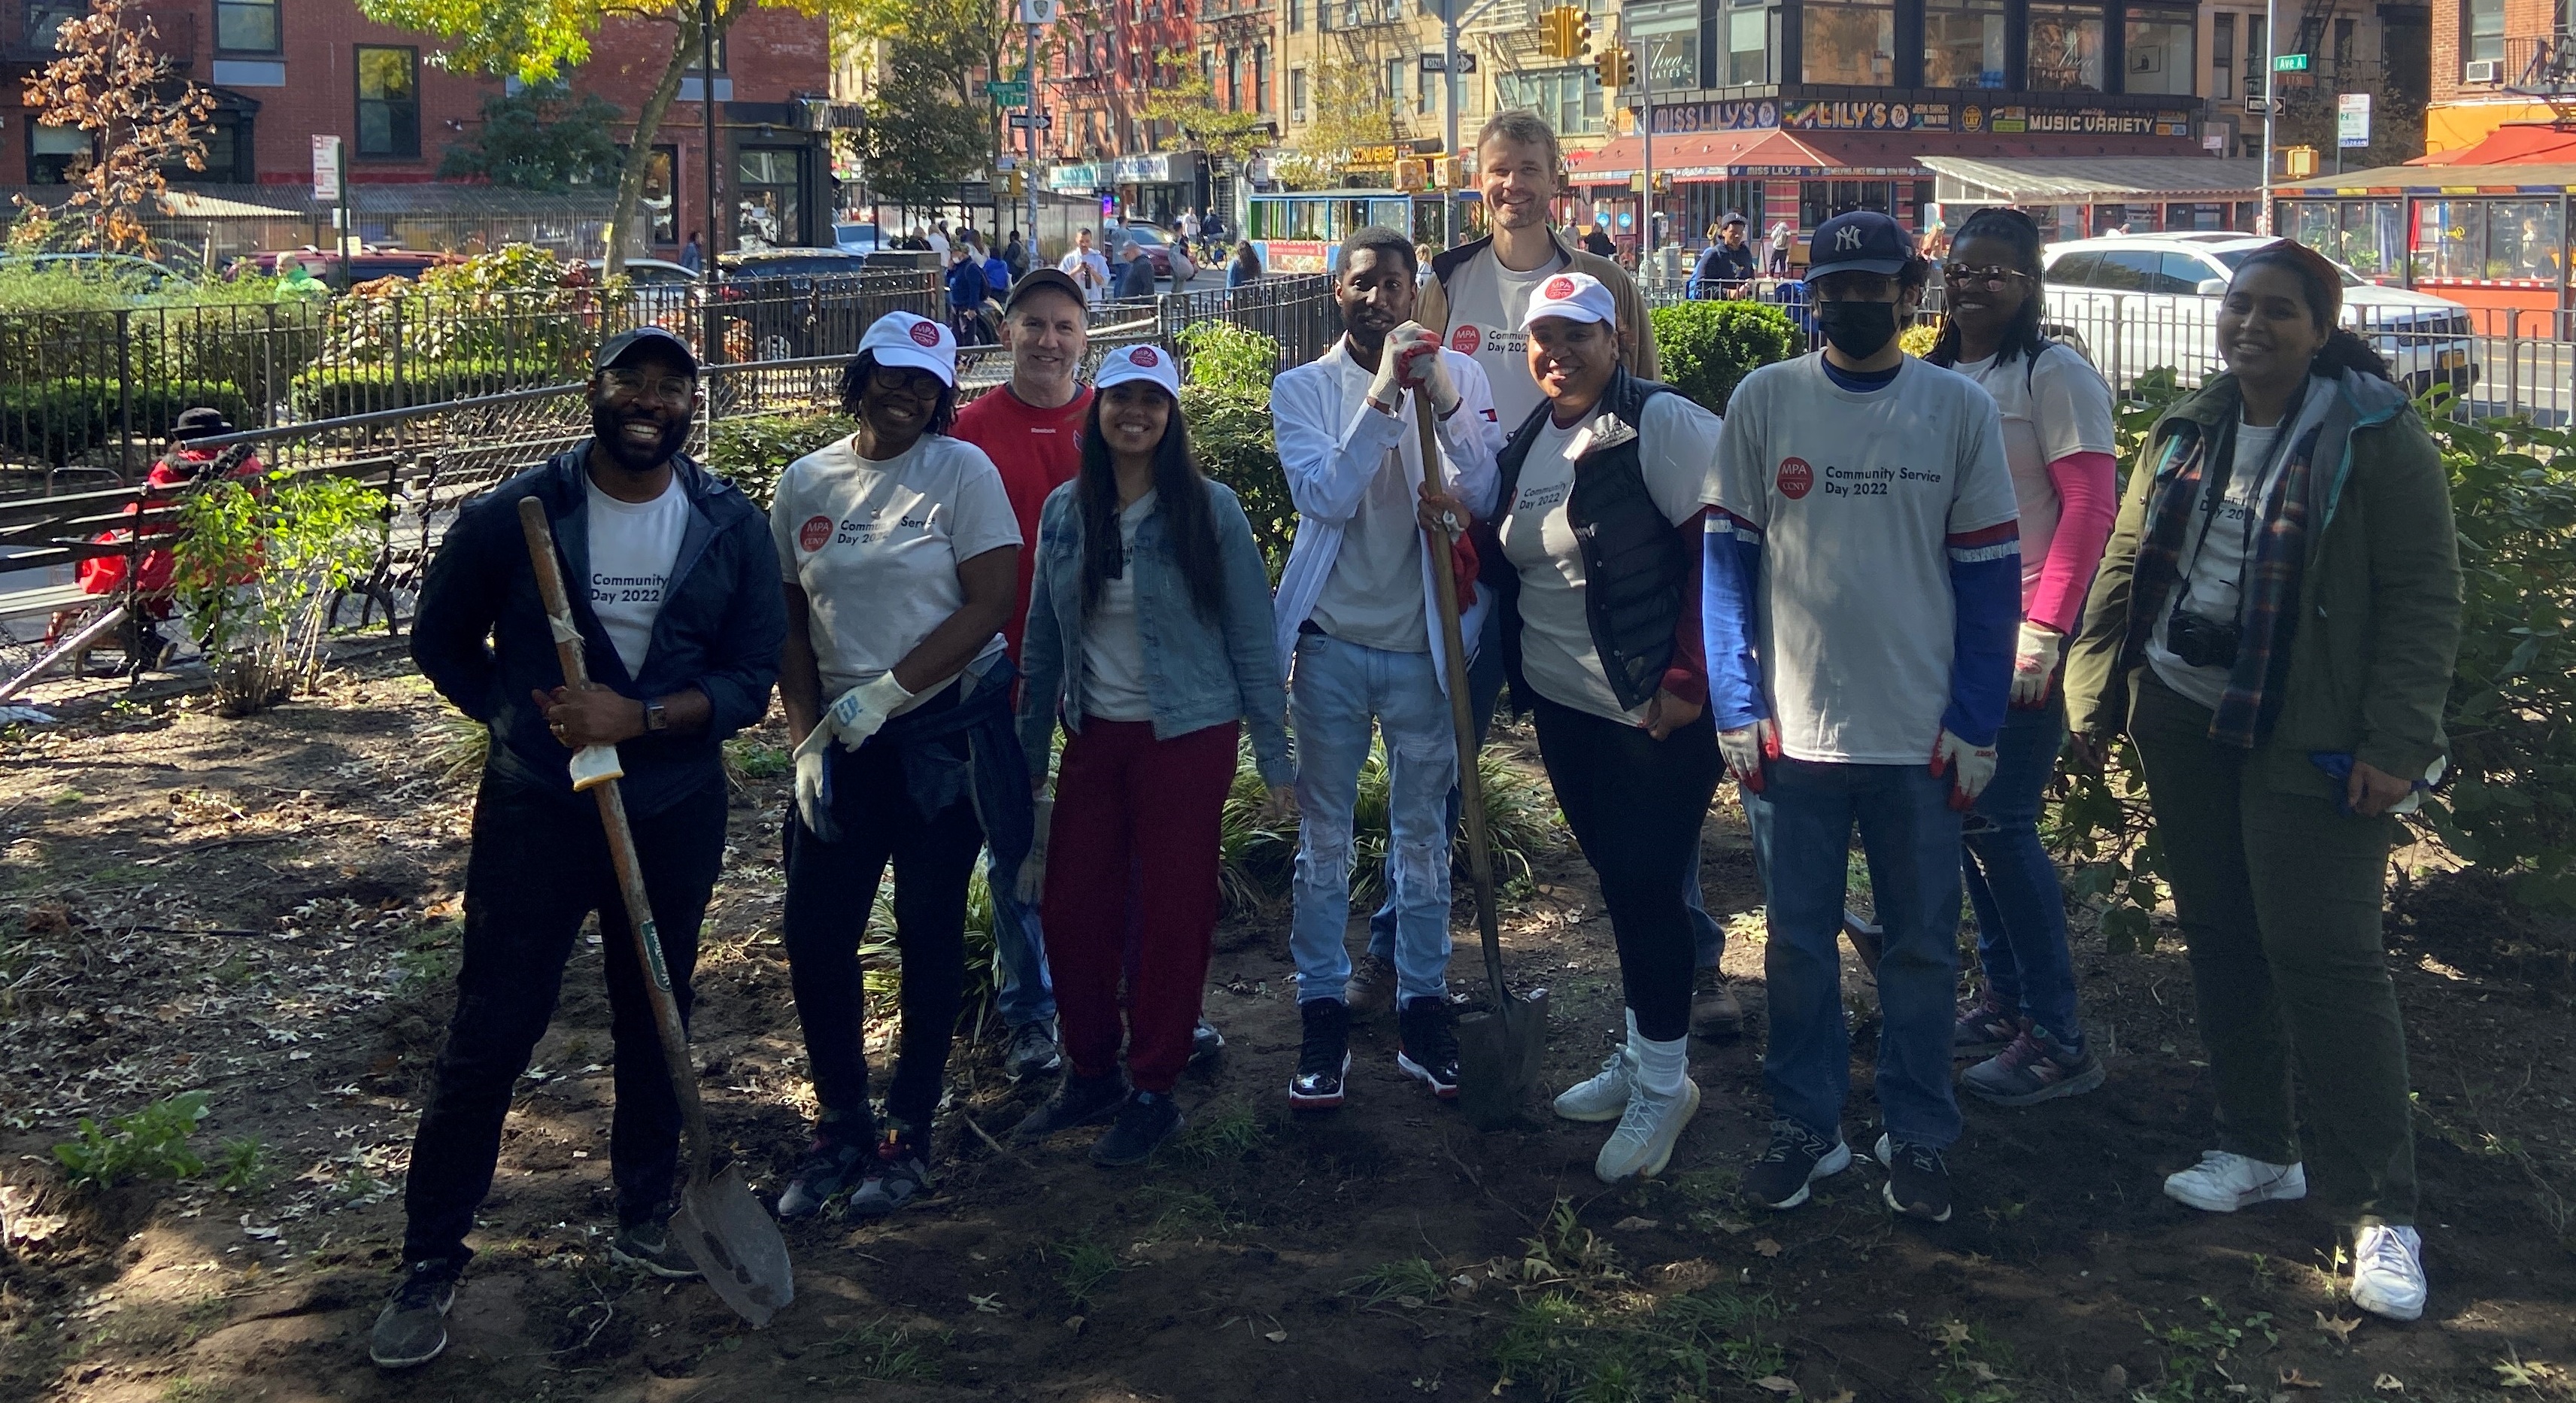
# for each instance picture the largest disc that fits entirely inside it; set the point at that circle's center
(1720, 266)
(481, 635)
(966, 284)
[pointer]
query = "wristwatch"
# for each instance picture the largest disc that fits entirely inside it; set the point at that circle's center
(657, 718)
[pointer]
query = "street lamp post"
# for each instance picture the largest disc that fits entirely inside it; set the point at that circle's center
(2271, 109)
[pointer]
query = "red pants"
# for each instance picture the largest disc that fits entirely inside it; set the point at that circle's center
(1134, 844)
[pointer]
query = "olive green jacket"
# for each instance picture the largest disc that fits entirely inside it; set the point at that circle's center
(2378, 620)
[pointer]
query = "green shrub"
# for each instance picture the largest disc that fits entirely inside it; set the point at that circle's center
(751, 452)
(1257, 858)
(1707, 348)
(1225, 400)
(151, 1143)
(330, 391)
(256, 574)
(58, 421)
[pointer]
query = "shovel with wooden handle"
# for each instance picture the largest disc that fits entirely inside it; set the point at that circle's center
(1499, 1050)
(726, 1232)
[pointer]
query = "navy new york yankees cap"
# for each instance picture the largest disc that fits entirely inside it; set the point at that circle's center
(1859, 241)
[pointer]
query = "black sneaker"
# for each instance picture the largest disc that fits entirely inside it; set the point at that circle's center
(1144, 1123)
(1077, 1101)
(1205, 1043)
(829, 1167)
(897, 1174)
(1797, 1158)
(1032, 1050)
(649, 1245)
(1918, 1183)
(1427, 1046)
(1325, 1059)
(412, 1328)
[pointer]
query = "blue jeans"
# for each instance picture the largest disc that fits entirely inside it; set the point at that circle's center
(2021, 908)
(1484, 686)
(1026, 994)
(1911, 838)
(1337, 691)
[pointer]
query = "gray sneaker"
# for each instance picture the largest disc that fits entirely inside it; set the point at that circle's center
(412, 1328)
(1032, 1050)
(1643, 1143)
(1371, 990)
(1605, 1096)
(897, 1174)
(649, 1245)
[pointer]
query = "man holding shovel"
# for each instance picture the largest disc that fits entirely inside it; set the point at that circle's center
(1359, 621)
(675, 596)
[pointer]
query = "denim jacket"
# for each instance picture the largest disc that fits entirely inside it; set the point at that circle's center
(1199, 672)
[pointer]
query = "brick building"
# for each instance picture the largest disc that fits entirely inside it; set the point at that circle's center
(2497, 62)
(282, 72)
(1101, 63)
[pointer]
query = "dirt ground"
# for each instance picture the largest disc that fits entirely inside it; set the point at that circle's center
(262, 910)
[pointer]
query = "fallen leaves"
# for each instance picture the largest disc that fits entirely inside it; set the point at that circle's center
(2340, 1329)
(2388, 1383)
(1768, 1247)
(1950, 1332)
(1633, 1224)
(1773, 1383)
(2292, 1378)
(1277, 1337)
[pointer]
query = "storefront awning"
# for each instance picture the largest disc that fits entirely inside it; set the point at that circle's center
(1704, 156)
(2095, 180)
(2515, 144)
(2547, 178)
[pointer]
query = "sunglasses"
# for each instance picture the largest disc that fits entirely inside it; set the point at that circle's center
(1961, 275)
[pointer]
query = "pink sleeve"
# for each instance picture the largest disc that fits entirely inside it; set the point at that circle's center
(2087, 501)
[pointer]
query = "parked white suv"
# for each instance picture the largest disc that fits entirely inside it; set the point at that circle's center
(2137, 302)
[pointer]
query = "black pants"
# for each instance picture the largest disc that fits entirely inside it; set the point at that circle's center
(539, 866)
(831, 888)
(1636, 804)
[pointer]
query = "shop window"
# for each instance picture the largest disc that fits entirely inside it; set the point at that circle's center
(388, 101)
(1752, 37)
(2158, 52)
(2523, 240)
(1705, 203)
(2450, 238)
(1820, 200)
(1850, 44)
(52, 152)
(2481, 29)
(246, 26)
(771, 208)
(2065, 48)
(661, 196)
(1963, 44)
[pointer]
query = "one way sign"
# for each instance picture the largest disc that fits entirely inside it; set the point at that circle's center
(1043, 121)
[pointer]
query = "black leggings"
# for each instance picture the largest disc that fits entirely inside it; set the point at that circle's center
(831, 888)
(1635, 804)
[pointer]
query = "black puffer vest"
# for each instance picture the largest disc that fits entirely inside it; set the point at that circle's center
(1635, 564)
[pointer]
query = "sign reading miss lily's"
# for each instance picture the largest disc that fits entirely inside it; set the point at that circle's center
(1972, 118)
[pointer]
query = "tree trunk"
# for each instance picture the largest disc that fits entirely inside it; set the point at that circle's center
(648, 124)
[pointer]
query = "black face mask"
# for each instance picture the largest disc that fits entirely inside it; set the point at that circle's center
(1857, 329)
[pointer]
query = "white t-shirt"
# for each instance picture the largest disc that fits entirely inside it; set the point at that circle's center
(1113, 652)
(2052, 408)
(1677, 453)
(1373, 597)
(633, 546)
(938, 244)
(876, 546)
(1088, 269)
(2213, 573)
(1486, 301)
(1857, 493)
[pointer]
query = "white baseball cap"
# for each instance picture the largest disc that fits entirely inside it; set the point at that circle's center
(900, 338)
(1577, 297)
(1139, 363)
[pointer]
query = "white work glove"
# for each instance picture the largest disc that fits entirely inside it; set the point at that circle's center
(863, 709)
(1386, 387)
(814, 783)
(1970, 767)
(595, 764)
(1031, 882)
(1745, 748)
(1419, 365)
(2035, 663)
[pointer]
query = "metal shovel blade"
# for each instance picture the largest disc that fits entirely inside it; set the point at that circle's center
(1498, 1058)
(736, 1245)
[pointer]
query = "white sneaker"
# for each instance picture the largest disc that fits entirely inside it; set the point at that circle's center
(1605, 1096)
(2388, 1271)
(1643, 1143)
(2223, 1182)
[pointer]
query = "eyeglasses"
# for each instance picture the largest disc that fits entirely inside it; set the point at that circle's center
(1961, 275)
(635, 384)
(905, 380)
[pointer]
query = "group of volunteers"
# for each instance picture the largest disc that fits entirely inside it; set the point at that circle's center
(1880, 593)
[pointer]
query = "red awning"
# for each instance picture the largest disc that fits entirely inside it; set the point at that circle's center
(2514, 144)
(1702, 156)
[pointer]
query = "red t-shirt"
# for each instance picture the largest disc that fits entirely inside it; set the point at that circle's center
(1037, 450)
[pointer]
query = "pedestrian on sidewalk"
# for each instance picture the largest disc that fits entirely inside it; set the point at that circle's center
(1087, 268)
(2274, 628)
(1135, 272)
(1866, 553)
(966, 293)
(1031, 428)
(1359, 613)
(674, 591)
(1595, 565)
(899, 552)
(1149, 638)
(2058, 443)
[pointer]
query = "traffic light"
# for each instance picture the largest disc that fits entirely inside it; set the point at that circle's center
(1564, 31)
(1614, 68)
